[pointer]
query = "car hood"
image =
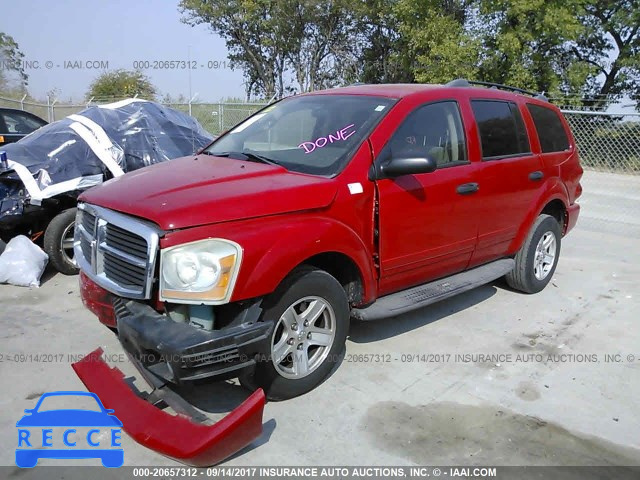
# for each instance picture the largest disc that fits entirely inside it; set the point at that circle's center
(205, 189)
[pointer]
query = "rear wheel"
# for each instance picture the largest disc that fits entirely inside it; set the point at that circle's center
(537, 259)
(58, 242)
(310, 316)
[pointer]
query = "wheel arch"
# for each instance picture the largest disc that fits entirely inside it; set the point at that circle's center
(552, 200)
(558, 210)
(344, 269)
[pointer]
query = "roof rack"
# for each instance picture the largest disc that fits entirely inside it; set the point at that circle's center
(462, 82)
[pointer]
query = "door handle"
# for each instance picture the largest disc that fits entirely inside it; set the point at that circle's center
(535, 176)
(467, 188)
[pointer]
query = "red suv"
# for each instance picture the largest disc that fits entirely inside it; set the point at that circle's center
(249, 259)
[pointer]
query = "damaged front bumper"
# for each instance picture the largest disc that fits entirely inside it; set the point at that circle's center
(179, 352)
(179, 436)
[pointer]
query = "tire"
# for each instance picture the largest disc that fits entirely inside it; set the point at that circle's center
(59, 230)
(537, 259)
(306, 291)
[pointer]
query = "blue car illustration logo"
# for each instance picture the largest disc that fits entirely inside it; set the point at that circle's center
(62, 433)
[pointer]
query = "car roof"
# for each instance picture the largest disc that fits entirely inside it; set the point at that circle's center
(402, 90)
(390, 90)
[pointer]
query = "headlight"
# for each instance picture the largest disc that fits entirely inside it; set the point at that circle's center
(202, 272)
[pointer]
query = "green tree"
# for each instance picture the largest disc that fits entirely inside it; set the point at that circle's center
(384, 56)
(440, 45)
(524, 43)
(609, 47)
(311, 42)
(321, 47)
(12, 75)
(119, 84)
(582, 48)
(255, 32)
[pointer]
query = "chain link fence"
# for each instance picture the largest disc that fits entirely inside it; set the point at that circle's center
(214, 117)
(607, 142)
(609, 148)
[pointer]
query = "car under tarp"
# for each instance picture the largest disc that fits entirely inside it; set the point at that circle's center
(44, 172)
(100, 142)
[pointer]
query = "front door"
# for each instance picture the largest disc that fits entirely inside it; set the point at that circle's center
(427, 222)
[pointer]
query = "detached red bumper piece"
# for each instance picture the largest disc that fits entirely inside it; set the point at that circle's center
(175, 436)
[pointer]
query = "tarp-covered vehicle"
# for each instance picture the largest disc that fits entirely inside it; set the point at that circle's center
(46, 171)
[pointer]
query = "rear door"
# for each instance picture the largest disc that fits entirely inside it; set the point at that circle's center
(509, 178)
(427, 227)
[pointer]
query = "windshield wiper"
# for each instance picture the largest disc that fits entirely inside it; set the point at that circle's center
(245, 155)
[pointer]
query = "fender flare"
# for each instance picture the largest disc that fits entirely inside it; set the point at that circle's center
(554, 189)
(297, 243)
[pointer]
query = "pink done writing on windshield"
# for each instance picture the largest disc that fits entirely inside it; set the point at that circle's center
(341, 135)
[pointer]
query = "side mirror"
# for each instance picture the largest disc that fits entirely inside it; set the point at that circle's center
(409, 166)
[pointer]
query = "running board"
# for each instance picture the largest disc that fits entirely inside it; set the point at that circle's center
(428, 293)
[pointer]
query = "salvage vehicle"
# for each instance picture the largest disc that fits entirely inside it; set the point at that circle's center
(16, 124)
(47, 170)
(249, 259)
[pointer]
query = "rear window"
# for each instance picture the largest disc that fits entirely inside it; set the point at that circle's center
(502, 131)
(551, 132)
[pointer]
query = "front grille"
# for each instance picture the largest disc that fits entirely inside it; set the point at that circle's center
(127, 242)
(122, 272)
(117, 251)
(88, 221)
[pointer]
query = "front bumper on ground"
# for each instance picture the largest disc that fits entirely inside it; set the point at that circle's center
(176, 436)
(179, 352)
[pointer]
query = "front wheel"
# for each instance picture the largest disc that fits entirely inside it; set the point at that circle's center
(310, 316)
(537, 259)
(58, 242)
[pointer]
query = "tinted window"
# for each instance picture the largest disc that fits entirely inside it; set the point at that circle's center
(502, 130)
(553, 137)
(434, 129)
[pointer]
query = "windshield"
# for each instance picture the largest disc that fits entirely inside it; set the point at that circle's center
(314, 134)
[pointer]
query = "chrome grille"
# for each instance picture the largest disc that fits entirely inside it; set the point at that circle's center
(122, 272)
(88, 221)
(126, 241)
(118, 252)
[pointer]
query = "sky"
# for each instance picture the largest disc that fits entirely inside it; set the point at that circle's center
(56, 35)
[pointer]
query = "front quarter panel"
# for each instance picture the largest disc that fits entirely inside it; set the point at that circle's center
(274, 246)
